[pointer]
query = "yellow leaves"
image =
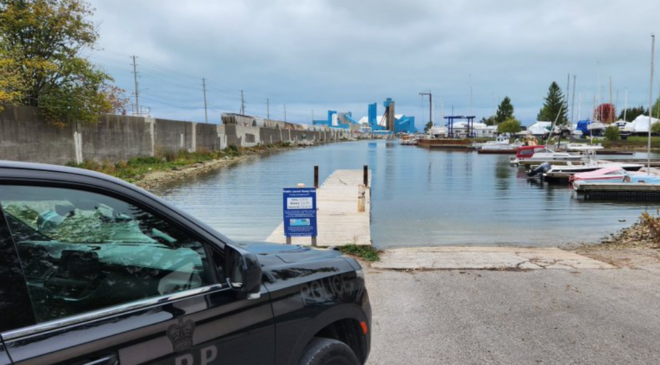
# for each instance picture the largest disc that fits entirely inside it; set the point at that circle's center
(11, 84)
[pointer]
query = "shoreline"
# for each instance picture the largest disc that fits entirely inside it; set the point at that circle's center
(156, 179)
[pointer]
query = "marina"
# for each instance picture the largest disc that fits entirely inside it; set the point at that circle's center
(419, 197)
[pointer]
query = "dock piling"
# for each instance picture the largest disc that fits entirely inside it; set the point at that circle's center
(365, 175)
(361, 197)
(316, 176)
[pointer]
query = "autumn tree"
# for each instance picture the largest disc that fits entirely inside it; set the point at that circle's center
(12, 86)
(605, 113)
(555, 105)
(44, 40)
(504, 111)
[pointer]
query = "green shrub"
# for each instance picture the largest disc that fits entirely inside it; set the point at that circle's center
(612, 133)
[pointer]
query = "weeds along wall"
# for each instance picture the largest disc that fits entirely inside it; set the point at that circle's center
(25, 136)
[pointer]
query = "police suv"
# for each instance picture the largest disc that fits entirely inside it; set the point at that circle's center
(95, 271)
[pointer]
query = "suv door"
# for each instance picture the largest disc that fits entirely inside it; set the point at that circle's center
(111, 281)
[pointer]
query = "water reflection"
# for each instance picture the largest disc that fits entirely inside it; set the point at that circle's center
(420, 197)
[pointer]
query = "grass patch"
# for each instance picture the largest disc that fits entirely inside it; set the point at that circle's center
(135, 168)
(633, 141)
(367, 253)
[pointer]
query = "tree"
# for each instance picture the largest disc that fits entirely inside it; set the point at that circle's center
(511, 125)
(428, 126)
(488, 121)
(612, 133)
(632, 113)
(554, 105)
(655, 109)
(605, 113)
(11, 84)
(44, 39)
(504, 111)
(655, 128)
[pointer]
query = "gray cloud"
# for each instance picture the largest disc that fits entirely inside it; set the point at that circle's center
(343, 54)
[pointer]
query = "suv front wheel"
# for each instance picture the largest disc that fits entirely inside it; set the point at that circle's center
(325, 351)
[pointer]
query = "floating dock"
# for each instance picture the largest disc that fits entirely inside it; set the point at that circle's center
(446, 143)
(338, 219)
(619, 191)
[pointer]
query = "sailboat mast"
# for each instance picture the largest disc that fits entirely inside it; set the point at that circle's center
(625, 107)
(648, 168)
(573, 101)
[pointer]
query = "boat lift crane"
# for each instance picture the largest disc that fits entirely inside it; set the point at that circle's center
(470, 125)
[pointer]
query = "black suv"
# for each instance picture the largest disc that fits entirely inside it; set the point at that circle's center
(96, 271)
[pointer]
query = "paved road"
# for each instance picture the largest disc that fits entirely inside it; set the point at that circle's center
(588, 316)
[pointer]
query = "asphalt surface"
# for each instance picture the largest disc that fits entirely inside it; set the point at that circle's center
(592, 316)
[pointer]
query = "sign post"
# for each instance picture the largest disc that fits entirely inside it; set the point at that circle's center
(299, 206)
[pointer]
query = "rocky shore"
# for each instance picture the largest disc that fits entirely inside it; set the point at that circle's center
(154, 180)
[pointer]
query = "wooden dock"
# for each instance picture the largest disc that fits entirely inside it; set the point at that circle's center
(619, 191)
(339, 222)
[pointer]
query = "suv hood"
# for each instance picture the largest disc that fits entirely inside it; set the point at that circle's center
(274, 253)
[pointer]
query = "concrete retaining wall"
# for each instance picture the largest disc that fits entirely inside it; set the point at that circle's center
(25, 136)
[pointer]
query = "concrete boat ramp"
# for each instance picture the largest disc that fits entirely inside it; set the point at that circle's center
(484, 258)
(340, 223)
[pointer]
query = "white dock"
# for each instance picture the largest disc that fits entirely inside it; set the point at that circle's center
(338, 219)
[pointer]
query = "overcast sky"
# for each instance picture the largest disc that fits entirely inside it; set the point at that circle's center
(344, 54)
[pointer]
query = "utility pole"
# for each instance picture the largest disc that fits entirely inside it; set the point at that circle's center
(242, 104)
(267, 108)
(206, 112)
(284, 112)
(430, 95)
(573, 101)
(137, 91)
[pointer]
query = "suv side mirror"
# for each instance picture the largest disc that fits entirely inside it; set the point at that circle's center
(243, 271)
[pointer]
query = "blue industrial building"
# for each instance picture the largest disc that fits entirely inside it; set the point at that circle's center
(372, 123)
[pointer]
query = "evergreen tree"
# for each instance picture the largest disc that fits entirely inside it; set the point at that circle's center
(555, 104)
(504, 111)
(428, 126)
(632, 113)
(489, 121)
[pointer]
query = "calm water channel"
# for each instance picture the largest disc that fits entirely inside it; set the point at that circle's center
(419, 197)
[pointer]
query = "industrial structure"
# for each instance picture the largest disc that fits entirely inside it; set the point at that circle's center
(386, 124)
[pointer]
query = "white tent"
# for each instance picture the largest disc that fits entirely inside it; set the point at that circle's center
(641, 124)
(540, 128)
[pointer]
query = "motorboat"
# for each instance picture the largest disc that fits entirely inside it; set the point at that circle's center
(499, 146)
(613, 174)
(582, 147)
(528, 155)
(500, 140)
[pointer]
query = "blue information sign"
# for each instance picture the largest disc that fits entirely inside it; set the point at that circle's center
(299, 212)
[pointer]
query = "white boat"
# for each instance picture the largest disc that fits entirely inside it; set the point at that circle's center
(499, 141)
(500, 146)
(582, 147)
(591, 165)
(528, 155)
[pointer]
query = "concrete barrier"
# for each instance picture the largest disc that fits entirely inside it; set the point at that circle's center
(25, 136)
